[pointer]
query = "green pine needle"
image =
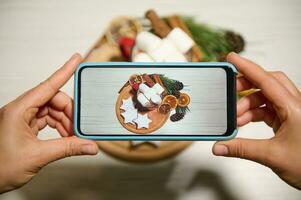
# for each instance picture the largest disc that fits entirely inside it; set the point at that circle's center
(168, 83)
(214, 43)
(183, 110)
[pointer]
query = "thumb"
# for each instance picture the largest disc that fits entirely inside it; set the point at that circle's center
(251, 149)
(56, 149)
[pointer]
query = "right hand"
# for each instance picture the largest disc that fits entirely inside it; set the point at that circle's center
(278, 104)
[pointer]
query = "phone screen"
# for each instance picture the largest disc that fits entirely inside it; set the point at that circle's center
(154, 101)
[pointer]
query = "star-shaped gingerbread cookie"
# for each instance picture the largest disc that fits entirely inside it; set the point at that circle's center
(129, 116)
(127, 104)
(142, 121)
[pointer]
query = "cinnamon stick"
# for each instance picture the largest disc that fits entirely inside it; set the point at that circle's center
(160, 27)
(148, 80)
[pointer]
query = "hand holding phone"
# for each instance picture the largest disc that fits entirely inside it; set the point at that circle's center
(277, 103)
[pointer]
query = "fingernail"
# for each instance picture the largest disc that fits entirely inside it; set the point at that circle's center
(231, 54)
(89, 149)
(220, 150)
(73, 56)
(239, 121)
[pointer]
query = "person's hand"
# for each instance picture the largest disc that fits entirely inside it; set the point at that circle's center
(278, 104)
(22, 154)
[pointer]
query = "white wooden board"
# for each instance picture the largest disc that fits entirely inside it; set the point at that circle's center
(36, 37)
(205, 86)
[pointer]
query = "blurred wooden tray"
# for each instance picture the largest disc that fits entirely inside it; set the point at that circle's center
(106, 47)
(158, 119)
(105, 50)
(143, 153)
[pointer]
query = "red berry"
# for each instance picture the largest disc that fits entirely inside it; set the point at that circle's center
(126, 45)
(135, 86)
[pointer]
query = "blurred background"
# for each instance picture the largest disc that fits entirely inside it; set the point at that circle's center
(36, 37)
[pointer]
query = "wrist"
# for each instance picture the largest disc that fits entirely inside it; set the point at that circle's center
(4, 186)
(7, 180)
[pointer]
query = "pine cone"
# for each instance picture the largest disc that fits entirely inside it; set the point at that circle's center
(176, 94)
(235, 40)
(176, 117)
(178, 85)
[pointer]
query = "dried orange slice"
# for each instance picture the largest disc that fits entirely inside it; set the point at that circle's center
(164, 108)
(171, 100)
(183, 100)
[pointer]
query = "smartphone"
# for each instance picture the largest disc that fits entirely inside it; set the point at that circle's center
(155, 101)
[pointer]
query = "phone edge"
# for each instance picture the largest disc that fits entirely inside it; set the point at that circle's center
(142, 137)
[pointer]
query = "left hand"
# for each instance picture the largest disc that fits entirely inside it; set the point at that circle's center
(22, 154)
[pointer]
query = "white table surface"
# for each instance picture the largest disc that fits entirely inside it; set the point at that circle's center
(38, 36)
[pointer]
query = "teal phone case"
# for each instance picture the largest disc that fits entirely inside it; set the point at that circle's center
(76, 124)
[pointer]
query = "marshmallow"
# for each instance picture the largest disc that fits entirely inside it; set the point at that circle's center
(143, 88)
(159, 89)
(147, 41)
(167, 52)
(151, 92)
(156, 99)
(175, 57)
(181, 40)
(142, 57)
(143, 100)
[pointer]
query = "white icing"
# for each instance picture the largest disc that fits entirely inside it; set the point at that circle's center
(127, 104)
(129, 116)
(142, 121)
